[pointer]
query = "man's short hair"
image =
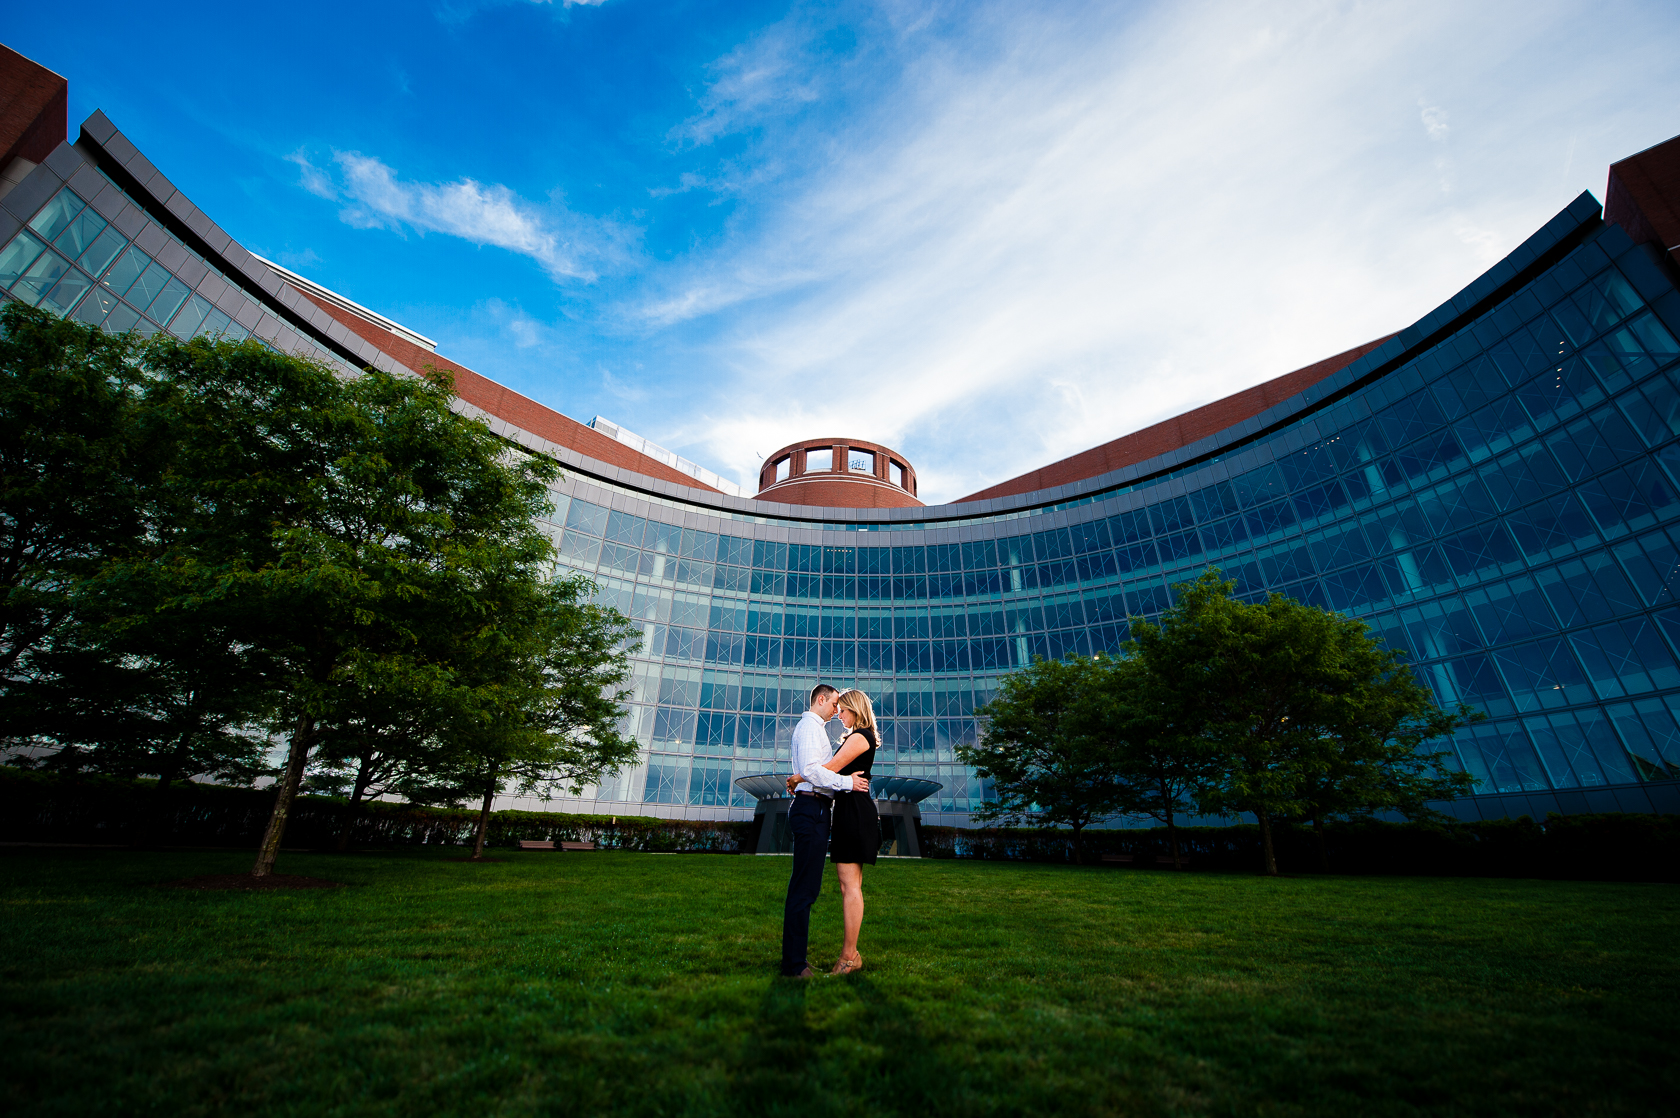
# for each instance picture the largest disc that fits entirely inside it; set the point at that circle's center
(821, 691)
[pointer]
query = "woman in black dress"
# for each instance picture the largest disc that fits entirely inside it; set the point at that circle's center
(856, 835)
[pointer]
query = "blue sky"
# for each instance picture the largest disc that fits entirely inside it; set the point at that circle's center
(989, 235)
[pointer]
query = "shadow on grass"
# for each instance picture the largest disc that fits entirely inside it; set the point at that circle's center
(832, 1046)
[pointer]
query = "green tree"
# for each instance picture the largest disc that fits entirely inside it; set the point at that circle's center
(1382, 760)
(384, 734)
(1161, 761)
(75, 453)
(334, 521)
(1045, 751)
(87, 441)
(1279, 692)
(548, 669)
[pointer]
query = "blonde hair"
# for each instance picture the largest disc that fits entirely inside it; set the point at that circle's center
(858, 703)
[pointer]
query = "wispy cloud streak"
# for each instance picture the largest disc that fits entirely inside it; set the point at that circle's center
(569, 246)
(1053, 227)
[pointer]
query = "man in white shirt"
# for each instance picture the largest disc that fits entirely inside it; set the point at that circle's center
(808, 819)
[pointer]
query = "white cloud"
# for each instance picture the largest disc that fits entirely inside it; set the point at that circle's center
(569, 246)
(311, 178)
(1435, 122)
(627, 390)
(774, 73)
(1055, 226)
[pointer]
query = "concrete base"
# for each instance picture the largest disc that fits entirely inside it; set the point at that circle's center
(898, 828)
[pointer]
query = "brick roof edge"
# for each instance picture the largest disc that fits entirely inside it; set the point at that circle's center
(1179, 431)
(504, 403)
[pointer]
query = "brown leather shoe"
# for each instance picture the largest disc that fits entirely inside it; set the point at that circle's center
(843, 966)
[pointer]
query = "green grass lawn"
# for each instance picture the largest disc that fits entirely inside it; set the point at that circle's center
(644, 984)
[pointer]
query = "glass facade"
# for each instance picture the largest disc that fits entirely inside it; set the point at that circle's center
(1503, 502)
(1496, 490)
(72, 261)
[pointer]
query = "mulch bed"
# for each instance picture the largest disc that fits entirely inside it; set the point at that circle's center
(247, 882)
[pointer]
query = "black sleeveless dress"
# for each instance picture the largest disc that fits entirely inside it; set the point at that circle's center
(856, 833)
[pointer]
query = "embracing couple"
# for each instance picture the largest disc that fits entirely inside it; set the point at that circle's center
(831, 812)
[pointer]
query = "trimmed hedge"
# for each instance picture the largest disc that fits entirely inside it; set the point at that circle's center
(1612, 847)
(38, 807)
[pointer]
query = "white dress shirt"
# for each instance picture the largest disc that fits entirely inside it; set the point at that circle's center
(811, 751)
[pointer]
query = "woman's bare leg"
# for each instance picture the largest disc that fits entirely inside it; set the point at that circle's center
(851, 905)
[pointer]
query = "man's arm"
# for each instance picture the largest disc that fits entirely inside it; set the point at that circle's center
(821, 777)
(811, 749)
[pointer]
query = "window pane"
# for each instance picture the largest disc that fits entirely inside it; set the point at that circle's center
(121, 319)
(149, 286)
(819, 460)
(103, 250)
(623, 527)
(56, 214)
(67, 292)
(169, 300)
(40, 277)
(192, 316)
(80, 233)
(17, 258)
(126, 271)
(216, 324)
(95, 307)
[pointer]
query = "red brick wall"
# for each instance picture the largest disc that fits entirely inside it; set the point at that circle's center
(1643, 196)
(857, 499)
(34, 109)
(842, 491)
(1181, 430)
(521, 411)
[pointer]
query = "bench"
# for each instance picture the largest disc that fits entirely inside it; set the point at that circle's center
(1117, 859)
(577, 846)
(535, 844)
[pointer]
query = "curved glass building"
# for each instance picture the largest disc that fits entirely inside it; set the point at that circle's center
(1495, 488)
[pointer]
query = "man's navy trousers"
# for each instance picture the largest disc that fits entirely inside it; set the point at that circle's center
(808, 820)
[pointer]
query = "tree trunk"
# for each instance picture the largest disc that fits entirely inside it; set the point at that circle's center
(1266, 842)
(152, 826)
(364, 775)
(1172, 826)
(287, 792)
(484, 817)
(172, 766)
(1323, 851)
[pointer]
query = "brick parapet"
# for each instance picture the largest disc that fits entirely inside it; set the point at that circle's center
(843, 491)
(1177, 432)
(840, 486)
(504, 403)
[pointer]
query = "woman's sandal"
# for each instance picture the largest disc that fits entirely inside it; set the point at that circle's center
(843, 966)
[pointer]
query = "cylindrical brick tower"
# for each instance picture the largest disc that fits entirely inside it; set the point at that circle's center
(838, 473)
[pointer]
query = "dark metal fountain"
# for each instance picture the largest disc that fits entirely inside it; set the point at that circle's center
(896, 799)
